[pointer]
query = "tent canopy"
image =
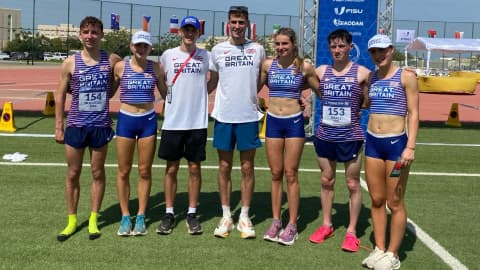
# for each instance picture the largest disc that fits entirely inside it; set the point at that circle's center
(442, 45)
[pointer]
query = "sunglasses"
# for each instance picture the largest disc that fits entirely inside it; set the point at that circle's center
(238, 8)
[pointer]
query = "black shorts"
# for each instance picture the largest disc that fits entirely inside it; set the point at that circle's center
(188, 144)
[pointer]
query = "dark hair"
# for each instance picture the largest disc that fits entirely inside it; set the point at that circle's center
(238, 10)
(290, 33)
(341, 34)
(90, 20)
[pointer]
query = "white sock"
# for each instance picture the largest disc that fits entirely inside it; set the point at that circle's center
(169, 210)
(226, 211)
(192, 210)
(244, 212)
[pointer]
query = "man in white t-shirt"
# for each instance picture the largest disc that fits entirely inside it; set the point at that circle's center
(184, 130)
(235, 64)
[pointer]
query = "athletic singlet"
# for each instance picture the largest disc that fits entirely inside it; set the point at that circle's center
(91, 88)
(137, 87)
(341, 100)
(283, 82)
(387, 96)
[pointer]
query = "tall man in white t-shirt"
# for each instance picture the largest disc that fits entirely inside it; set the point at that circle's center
(184, 130)
(235, 64)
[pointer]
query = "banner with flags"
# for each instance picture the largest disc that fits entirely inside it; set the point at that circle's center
(146, 21)
(225, 29)
(115, 21)
(252, 31)
(405, 35)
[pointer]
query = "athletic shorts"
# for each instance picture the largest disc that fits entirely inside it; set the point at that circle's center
(137, 126)
(94, 137)
(190, 144)
(291, 126)
(244, 135)
(337, 151)
(385, 147)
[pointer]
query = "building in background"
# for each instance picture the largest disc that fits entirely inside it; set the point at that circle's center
(10, 23)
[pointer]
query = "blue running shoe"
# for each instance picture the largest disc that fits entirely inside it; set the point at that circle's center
(140, 227)
(125, 228)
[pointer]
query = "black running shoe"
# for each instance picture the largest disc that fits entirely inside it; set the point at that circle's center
(193, 224)
(167, 224)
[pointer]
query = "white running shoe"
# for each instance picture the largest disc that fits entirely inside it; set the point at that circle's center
(387, 262)
(224, 227)
(245, 227)
(372, 258)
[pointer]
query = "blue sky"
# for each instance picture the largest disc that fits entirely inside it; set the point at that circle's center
(423, 10)
(418, 10)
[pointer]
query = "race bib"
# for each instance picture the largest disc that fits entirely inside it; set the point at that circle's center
(92, 101)
(337, 113)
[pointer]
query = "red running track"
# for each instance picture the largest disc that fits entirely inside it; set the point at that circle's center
(26, 87)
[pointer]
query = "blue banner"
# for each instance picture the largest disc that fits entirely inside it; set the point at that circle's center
(114, 21)
(359, 17)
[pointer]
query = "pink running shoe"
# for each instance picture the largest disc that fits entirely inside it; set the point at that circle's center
(350, 243)
(321, 234)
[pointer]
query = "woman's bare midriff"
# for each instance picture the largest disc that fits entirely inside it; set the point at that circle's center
(137, 108)
(386, 124)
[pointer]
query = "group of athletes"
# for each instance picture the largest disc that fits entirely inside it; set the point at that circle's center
(238, 69)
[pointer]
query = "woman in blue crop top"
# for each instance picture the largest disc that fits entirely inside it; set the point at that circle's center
(389, 149)
(286, 75)
(136, 125)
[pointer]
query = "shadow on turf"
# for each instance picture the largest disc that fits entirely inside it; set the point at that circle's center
(209, 208)
(408, 241)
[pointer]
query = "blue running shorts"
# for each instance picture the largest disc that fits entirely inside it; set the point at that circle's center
(244, 135)
(291, 126)
(94, 137)
(385, 147)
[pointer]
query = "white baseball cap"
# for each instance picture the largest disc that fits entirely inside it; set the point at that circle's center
(379, 41)
(142, 37)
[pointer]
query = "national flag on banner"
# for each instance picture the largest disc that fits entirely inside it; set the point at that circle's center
(114, 21)
(174, 24)
(146, 21)
(225, 29)
(405, 35)
(252, 31)
(202, 27)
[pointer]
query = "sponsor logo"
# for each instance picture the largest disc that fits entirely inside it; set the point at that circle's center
(343, 10)
(296, 121)
(349, 79)
(151, 117)
(394, 141)
(226, 52)
(339, 22)
(105, 68)
(81, 71)
(251, 51)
